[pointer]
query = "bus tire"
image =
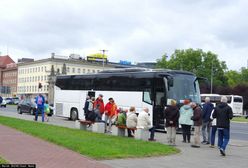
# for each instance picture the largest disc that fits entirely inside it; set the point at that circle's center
(74, 114)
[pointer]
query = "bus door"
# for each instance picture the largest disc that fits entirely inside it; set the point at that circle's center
(159, 104)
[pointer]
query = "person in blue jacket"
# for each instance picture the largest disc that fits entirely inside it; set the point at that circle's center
(206, 121)
(40, 101)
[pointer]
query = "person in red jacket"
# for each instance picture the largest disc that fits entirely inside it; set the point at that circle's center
(110, 112)
(99, 107)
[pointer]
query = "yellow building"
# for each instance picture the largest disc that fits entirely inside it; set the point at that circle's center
(30, 74)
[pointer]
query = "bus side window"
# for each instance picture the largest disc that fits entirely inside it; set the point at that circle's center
(147, 97)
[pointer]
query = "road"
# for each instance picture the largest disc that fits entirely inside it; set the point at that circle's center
(239, 131)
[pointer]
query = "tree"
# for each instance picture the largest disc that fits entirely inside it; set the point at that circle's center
(233, 78)
(204, 64)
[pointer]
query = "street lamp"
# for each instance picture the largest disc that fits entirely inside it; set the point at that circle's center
(103, 52)
(211, 91)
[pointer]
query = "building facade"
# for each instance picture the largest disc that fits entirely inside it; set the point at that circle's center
(30, 74)
(9, 80)
(4, 61)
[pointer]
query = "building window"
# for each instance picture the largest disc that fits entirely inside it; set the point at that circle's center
(68, 70)
(88, 70)
(41, 69)
(41, 78)
(83, 70)
(73, 70)
(79, 70)
(93, 71)
(38, 69)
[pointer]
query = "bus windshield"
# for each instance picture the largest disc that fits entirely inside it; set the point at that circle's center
(184, 88)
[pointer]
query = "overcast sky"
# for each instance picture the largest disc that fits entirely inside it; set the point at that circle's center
(134, 30)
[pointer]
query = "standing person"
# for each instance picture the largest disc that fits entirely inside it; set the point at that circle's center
(110, 111)
(144, 122)
(223, 114)
(91, 115)
(99, 107)
(40, 101)
(46, 110)
(86, 106)
(1, 99)
(213, 130)
(131, 121)
(186, 112)
(207, 109)
(197, 118)
(171, 116)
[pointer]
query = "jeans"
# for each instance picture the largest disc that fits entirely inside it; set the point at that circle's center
(171, 135)
(152, 132)
(186, 132)
(206, 133)
(213, 132)
(98, 116)
(108, 120)
(223, 137)
(39, 109)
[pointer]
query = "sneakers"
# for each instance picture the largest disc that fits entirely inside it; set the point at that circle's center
(195, 146)
(222, 152)
(211, 146)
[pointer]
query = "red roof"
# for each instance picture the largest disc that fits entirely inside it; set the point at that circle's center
(4, 60)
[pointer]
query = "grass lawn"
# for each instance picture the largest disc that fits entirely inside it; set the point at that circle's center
(94, 145)
(2, 161)
(240, 119)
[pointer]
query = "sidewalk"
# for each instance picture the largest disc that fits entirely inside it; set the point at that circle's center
(20, 148)
(204, 157)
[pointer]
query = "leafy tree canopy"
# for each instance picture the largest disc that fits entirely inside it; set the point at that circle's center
(201, 63)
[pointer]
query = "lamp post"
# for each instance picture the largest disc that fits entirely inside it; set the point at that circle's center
(103, 52)
(211, 91)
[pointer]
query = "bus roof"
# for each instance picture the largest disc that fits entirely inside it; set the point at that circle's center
(132, 72)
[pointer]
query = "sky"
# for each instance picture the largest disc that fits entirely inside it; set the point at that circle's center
(131, 30)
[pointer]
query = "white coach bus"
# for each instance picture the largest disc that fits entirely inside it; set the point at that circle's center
(236, 103)
(214, 98)
(137, 87)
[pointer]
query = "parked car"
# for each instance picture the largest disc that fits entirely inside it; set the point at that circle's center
(3, 104)
(15, 100)
(29, 106)
(26, 106)
(8, 100)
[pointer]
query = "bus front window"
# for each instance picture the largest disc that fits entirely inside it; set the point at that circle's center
(184, 87)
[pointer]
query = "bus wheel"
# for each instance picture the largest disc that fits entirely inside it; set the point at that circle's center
(74, 114)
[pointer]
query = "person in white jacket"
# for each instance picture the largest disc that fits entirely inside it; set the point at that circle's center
(213, 130)
(131, 121)
(144, 122)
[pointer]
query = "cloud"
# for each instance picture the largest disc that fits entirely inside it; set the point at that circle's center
(130, 30)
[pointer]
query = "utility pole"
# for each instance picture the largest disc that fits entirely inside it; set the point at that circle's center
(103, 53)
(211, 78)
